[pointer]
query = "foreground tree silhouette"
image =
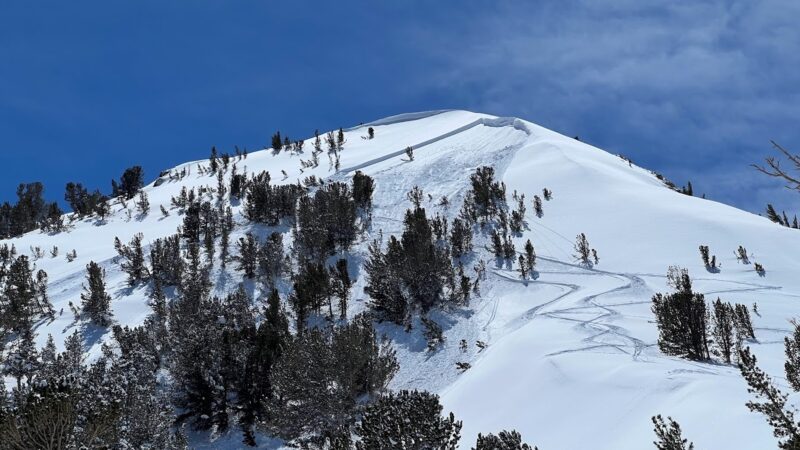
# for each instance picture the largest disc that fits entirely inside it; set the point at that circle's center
(669, 435)
(771, 402)
(407, 419)
(505, 440)
(773, 167)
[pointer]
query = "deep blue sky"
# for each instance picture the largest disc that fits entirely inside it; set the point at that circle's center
(692, 89)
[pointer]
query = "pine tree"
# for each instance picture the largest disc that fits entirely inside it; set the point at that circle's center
(340, 286)
(133, 255)
(22, 361)
(277, 143)
(582, 249)
(771, 402)
(213, 163)
(131, 182)
(669, 435)
(723, 328)
(363, 187)
(143, 204)
(268, 344)
(681, 321)
(95, 302)
(792, 364)
(744, 326)
(460, 238)
(321, 375)
(505, 440)
(23, 298)
(340, 140)
(537, 206)
(407, 419)
(248, 255)
(312, 290)
(226, 226)
(530, 257)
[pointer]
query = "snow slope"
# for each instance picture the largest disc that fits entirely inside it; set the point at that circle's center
(571, 361)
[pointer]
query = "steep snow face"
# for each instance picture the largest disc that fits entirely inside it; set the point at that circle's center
(571, 360)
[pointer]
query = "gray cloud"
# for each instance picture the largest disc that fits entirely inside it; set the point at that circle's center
(695, 89)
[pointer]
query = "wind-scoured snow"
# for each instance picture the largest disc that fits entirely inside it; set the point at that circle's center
(572, 360)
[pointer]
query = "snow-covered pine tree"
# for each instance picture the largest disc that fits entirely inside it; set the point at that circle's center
(407, 419)
(133, 259)
(95, 301)
(504, 440)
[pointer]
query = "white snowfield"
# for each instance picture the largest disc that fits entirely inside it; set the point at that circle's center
(572, 360)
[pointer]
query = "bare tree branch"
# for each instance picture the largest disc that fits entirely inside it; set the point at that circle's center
(774, 168)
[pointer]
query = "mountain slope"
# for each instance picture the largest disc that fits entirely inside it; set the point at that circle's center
(571, 361)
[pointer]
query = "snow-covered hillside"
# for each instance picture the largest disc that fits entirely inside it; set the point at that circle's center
(571, 360)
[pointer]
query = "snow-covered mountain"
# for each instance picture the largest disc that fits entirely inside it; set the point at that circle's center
(572, 360)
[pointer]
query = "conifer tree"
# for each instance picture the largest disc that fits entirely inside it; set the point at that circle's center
(407, 419)
(143, 204)
(312, 291)
(537, 206)
(363, 187)
(669, 435)
(582, 249)
(792, 364)
(213, 163)
(497, 245)
(226, 226)
(131, 182)
(744, 326)
(340, 140)
(340, 286)
(723, 329)
(95, 302)
(23, 298)
(248, 255)
(771, 402)
(681, 320)
(133, 259)
(22, 361)
(277, 143)
(460, 238)
(530, 257)
(505, 440)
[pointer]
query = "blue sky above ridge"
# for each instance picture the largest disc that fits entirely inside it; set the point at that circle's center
(694, 90)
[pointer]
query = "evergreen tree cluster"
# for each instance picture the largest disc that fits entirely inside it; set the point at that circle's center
(688, 329)
(325, 222)
(129, 184)
(486, 199)
(23, 294)
(30, 212)
(84, 203)
(781, 219)
(59, 402)
(415, 272)
(267, 203)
